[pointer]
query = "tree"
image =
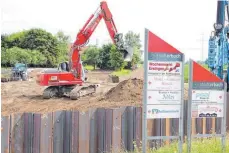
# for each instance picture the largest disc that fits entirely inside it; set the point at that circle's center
(62, 46)
(136, 57)
(132, 39)
(4, 60)
(4, 43)
(14, 55)
(52, 49)
(12, 40)
(117, 60)
(45, 42)
(37, 58)
(104, 61)
(91, 56)
(61, 37)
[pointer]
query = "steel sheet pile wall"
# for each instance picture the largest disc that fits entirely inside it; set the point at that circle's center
(98, 130)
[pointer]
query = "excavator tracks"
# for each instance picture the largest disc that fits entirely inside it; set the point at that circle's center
(50, 92)
(81, 91)
(73, 92)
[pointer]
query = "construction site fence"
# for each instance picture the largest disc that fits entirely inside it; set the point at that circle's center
(97, 130)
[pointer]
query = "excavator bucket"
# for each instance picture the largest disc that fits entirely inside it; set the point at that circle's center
(128, 54)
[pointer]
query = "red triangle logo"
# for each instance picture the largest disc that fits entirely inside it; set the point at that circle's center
(156, 44)
(200, 74)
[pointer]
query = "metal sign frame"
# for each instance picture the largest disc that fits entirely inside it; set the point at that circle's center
(189, 126)
(145, 137)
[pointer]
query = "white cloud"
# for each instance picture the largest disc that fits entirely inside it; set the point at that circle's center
(179, 22)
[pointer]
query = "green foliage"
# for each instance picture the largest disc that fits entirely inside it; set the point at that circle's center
(13, 40)
(91, 56)
(122, 72)
(14, 55)
(186, 71)
(61, 37)
(117, 60)
(50, 50)
(104, 57)
(136, 57)
(89, 67)
(110, 58)
(212, 145)
(38, 47)
(132, 39)
(37, 58)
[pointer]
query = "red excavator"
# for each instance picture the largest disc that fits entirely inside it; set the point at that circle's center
(69, 79)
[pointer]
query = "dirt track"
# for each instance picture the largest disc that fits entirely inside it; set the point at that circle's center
(27, 96)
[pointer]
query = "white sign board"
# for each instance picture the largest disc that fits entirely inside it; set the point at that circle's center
(164, 97)
(160, 67)
(164, 82)
(163, 111)
(205, 110)
(207, 96)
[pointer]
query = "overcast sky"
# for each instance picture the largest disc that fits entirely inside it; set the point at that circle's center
(179, 22)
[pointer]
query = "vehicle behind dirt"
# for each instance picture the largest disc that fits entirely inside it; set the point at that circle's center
(19, 72)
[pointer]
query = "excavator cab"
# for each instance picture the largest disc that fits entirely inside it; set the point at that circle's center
(64, 66)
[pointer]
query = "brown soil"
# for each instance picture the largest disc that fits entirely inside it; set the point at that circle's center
(26, 96)
(127, 90)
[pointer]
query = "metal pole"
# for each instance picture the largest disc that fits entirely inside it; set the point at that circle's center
(144, 125)
(182, 108)
(189, 136)
(223, 125)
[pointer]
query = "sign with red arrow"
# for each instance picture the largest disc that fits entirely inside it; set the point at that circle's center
(207, 93)
(163, 73)
(164, 82)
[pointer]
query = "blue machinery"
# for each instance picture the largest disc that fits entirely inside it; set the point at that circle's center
(218, 43)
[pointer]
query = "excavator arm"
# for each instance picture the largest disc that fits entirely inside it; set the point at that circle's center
(85, 33)
(69, 78)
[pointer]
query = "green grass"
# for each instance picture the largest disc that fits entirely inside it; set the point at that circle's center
(5, 72)
(121, 73)
(211, 145)
(89, 67)
(186, 71)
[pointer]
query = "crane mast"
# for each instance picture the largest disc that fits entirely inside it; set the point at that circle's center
(218, 42)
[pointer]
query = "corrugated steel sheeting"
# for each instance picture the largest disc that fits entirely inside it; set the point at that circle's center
(97, 130)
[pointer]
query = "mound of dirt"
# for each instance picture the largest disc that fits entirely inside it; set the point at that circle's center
(128, 90)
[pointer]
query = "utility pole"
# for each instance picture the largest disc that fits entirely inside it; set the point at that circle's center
(202, 46)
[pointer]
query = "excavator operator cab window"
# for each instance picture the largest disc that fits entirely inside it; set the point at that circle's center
(64, 66)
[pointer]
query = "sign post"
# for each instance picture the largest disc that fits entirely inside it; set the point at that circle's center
(207, 99)
(164, 85)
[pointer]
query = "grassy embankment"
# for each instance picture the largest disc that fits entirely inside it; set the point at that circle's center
(210, 145)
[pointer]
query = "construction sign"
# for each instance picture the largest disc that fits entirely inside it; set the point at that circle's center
(207, 93)
(164, 75)
(164, 84)
(207, 99)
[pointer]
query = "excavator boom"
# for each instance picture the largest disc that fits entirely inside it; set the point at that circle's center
(70, 76)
